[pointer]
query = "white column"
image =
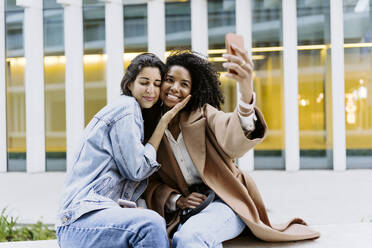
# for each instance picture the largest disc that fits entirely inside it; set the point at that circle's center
(199, 26)
(34, 84)
(292, 150)
(156, 27)
(244, 27)
(114, 47)
(74, 51)
(338, 86)
(3, 147)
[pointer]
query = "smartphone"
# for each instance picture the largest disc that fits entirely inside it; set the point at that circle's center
(235, 39)
(126, 204)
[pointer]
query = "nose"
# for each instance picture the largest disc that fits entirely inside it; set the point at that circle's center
(175, 87)
(150, 89)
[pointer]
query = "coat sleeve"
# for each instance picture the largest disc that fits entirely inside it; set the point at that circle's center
(157, 194)
(230, 135)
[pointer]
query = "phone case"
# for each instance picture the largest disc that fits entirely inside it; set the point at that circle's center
(237, 40)
(126, 204)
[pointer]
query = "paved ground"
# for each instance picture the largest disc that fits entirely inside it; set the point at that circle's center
(339, 204)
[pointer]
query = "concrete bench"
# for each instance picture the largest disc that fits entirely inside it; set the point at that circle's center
(358, 235)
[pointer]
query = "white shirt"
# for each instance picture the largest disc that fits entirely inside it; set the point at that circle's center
(185, 163)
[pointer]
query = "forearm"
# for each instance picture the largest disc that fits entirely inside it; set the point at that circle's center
(158, 134)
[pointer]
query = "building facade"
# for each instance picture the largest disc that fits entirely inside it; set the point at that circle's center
(62, 60)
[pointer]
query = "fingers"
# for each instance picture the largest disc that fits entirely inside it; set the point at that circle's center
(245, 64)
(232, 76)
(242, 53)
(182, 104)
(198, 195)
(237, 68)
(168, 116)
(194, 200)
(179, 106)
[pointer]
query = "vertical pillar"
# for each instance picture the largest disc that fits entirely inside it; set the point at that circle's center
(114, 26)
(338, 86)
(244, 27)
(3, 138)
(199, 26)
(74, 51)
(156, 27)
(292, 150)
(34, 84)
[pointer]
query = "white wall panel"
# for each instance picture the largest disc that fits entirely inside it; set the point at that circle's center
(3, 137)
(114, 47)
(34, 84)
(156, 27)
(74, 51)
(199, 26)
(338, 86)
(244, 27)
(292, 149)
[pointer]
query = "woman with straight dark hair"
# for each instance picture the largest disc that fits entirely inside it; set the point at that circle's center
(112, 164)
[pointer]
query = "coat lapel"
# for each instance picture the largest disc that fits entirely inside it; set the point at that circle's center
(193, 132)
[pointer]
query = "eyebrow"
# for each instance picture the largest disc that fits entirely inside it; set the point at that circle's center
(145, 78)
(149, 78)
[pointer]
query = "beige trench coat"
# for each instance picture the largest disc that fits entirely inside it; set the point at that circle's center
(214, 139)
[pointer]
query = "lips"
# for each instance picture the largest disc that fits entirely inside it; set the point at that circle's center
(173, 98)
(149, 98)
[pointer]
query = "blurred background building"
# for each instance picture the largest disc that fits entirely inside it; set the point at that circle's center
(313, 72)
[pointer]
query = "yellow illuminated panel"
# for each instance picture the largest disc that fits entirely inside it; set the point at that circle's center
(312, 98)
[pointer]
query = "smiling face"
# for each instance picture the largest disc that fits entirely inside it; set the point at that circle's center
(146, 87)
(176, 87)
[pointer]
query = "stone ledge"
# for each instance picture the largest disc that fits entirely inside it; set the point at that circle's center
(358, 235)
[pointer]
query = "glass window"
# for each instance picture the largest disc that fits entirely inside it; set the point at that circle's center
(221, 20)
(178, 25)
(314, 87)
(94, 59)
(54, 76)
(15, 71)
(135, 31)
(268, 83)
(358, 82)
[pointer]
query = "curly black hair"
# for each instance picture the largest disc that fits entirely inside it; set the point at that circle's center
(204, 79)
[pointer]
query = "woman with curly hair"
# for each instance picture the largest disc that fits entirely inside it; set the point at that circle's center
(204, 197)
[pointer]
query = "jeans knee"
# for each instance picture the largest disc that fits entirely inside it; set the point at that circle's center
(190, 238)
(154, 221)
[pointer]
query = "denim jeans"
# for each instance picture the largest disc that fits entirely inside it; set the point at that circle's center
(209, 228)
(115, 227)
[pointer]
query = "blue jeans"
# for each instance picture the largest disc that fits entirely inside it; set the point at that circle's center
(115, 227)
(209, 228)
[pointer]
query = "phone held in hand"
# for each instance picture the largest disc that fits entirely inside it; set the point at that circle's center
(236, 40)
(126, 204)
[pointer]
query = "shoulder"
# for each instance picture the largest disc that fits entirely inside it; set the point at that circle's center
(208, 110)
(119, 108)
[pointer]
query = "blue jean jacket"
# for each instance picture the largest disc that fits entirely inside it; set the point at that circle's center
(110, 163)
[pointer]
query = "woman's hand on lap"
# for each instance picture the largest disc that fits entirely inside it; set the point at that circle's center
(191, 201)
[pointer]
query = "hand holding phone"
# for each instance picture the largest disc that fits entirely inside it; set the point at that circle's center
(239, 65)
(236, 40)
(127, 204)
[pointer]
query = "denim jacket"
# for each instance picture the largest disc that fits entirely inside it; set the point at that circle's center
(110, 163)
